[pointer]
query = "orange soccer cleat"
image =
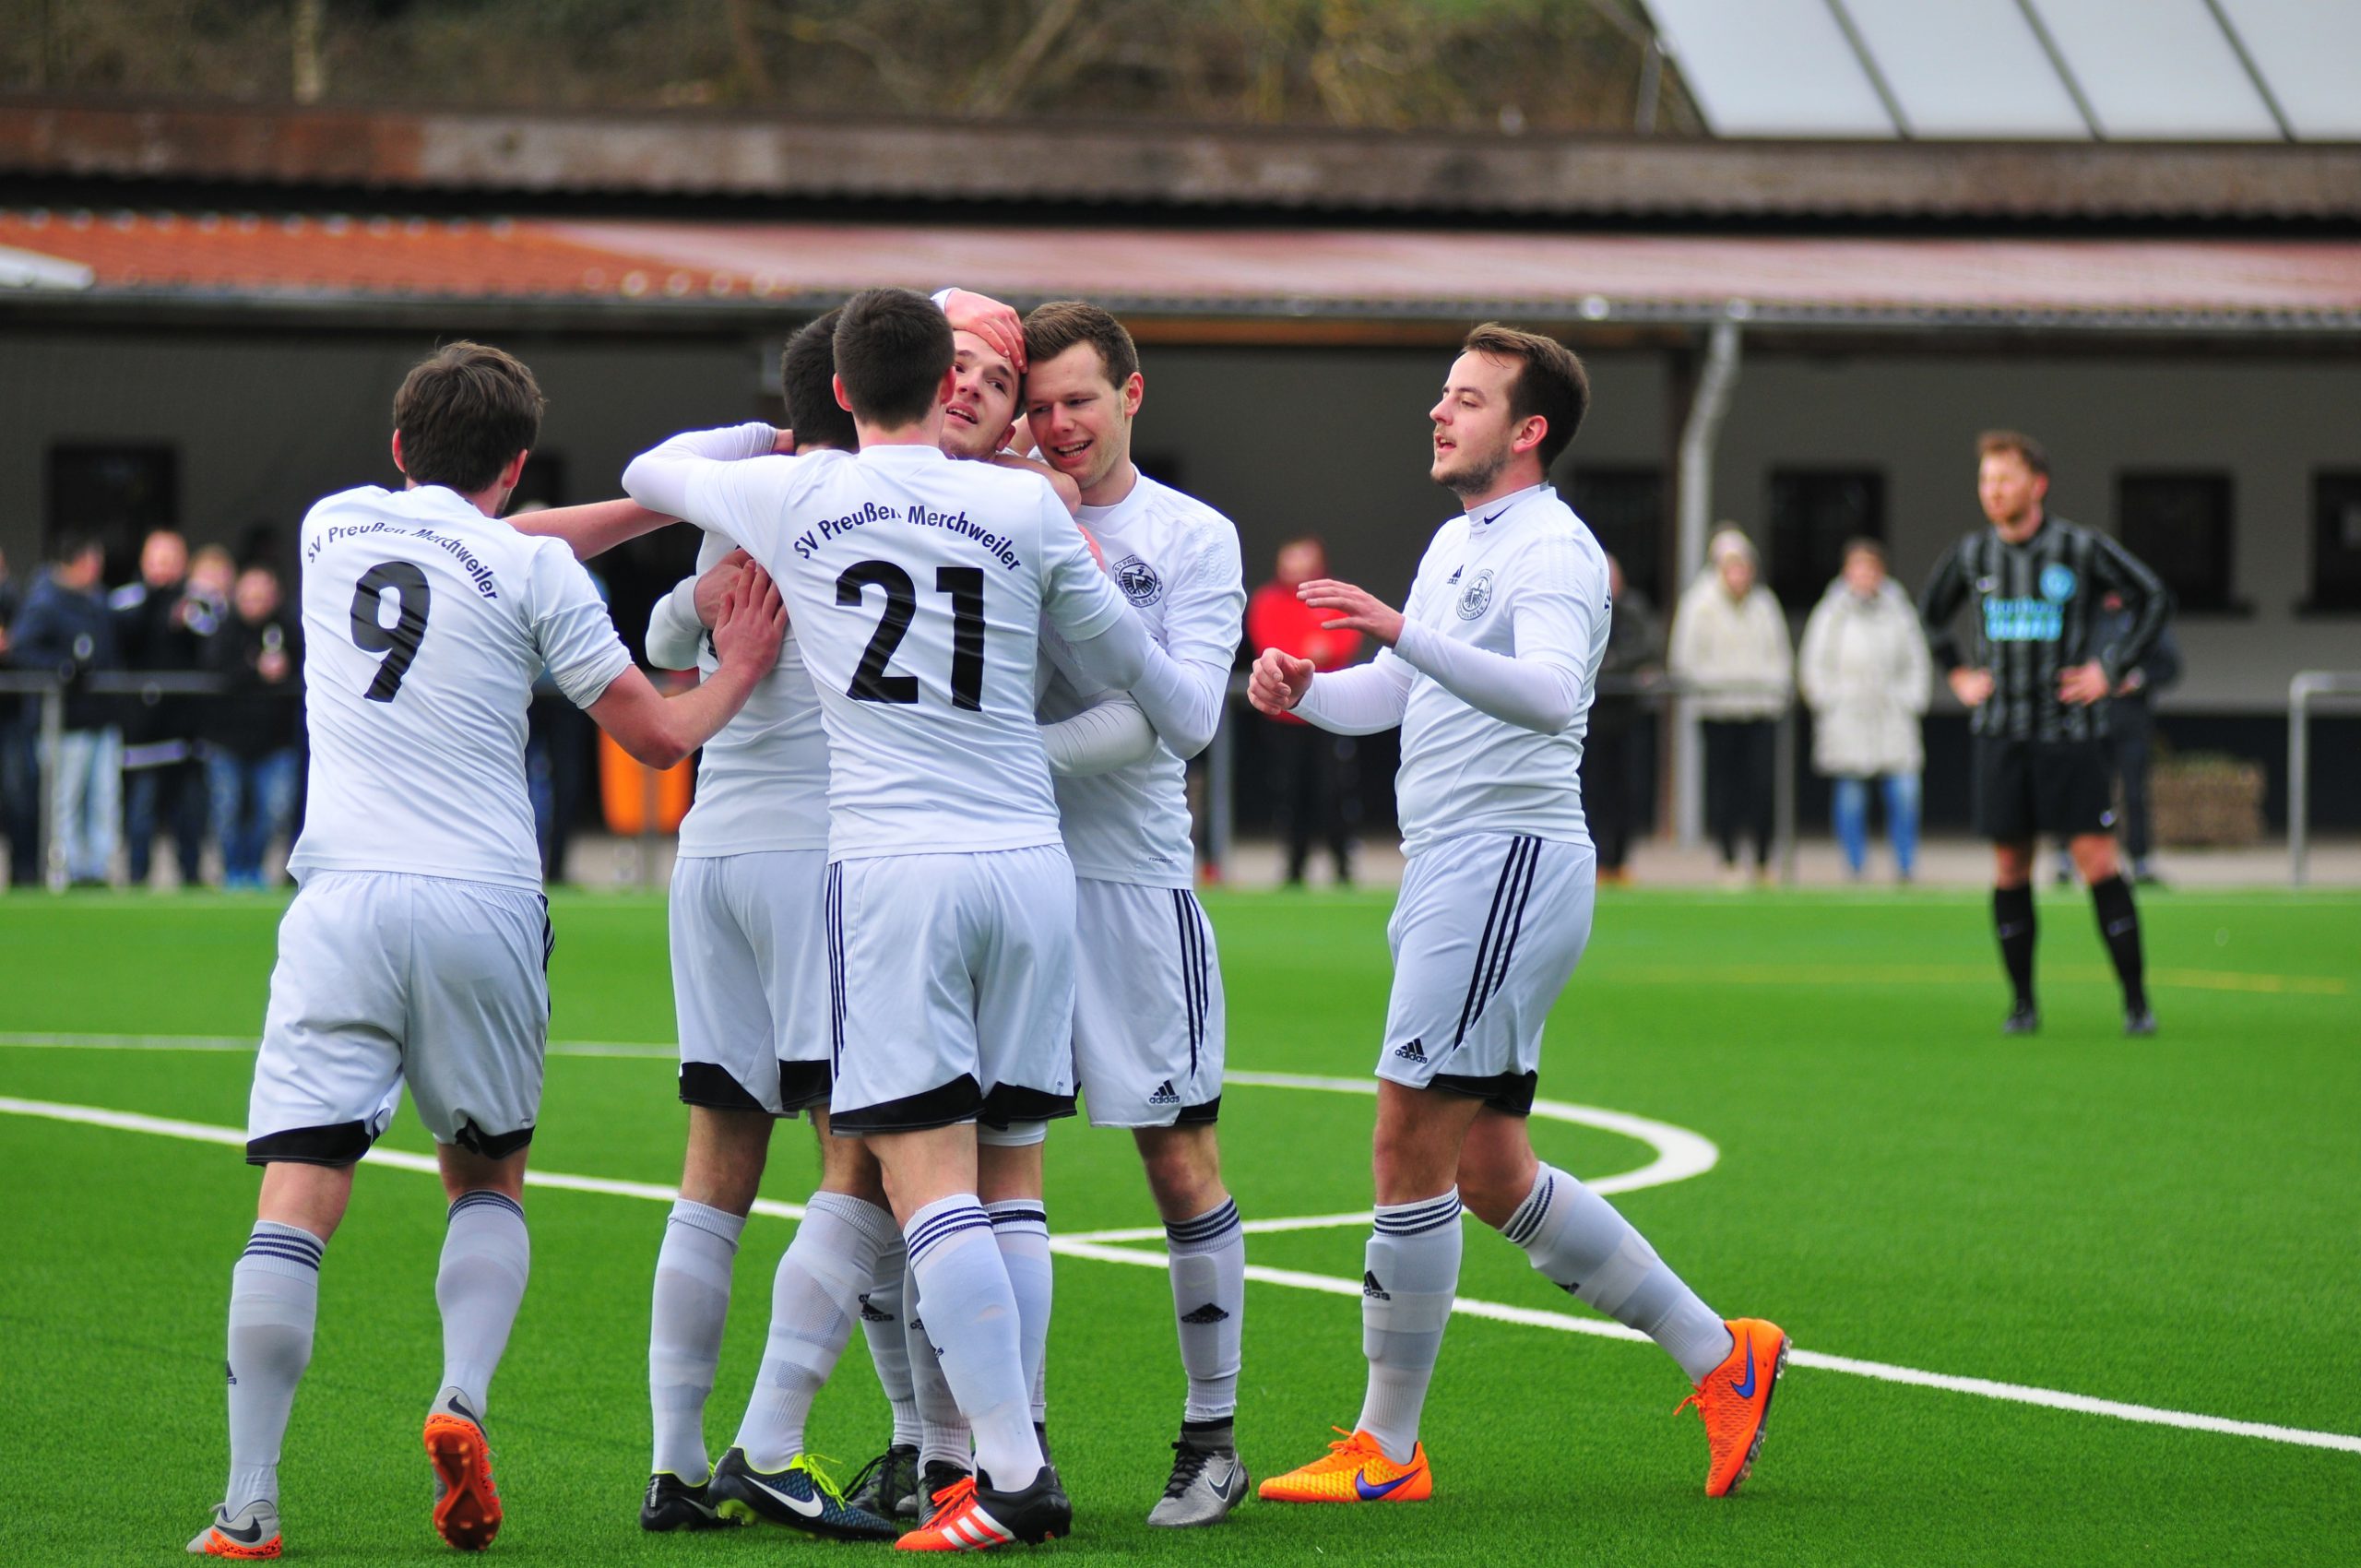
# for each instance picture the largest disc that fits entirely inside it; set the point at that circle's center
(1735, 1402)
(466, 1505)
(1356, 1470)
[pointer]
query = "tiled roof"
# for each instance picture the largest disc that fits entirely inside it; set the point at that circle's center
(1247, 272)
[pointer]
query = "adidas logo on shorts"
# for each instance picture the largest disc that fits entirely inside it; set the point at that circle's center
(1373, 1291)
(871, 1314)
(1206, 1314)
(1413, 1051)
(1164, 1095)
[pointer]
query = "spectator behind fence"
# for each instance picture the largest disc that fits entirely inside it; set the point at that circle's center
(1611, 784)
(1866, 675)
(65, 629)
(1314, 780)
(1730, 641)
(20, 766)
(251, 730)
(2131, 723)
(163, 777)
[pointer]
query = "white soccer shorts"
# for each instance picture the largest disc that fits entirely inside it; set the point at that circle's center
(1486, 935)
(954, 989)
(385, 980)
(750, 980)
(1149, 1027)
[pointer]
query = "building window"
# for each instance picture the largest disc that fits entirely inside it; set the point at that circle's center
(2336, 540)
(2180, 524)
(117, 492)
(1625, 509)
(1814, 513)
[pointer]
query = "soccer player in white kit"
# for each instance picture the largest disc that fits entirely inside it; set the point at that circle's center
(415, 951)
(918, 587)
(1148, 1032)
(1490, 672)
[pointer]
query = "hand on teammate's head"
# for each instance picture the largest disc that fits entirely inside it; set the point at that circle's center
(995, 323)
(753, 620)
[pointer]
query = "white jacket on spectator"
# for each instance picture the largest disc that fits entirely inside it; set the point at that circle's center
(1867, 674)
(1736, 649)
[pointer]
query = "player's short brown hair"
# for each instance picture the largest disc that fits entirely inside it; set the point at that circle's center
(1862, 544)
(1550, 382)
(463, 412)
(1054, 327)
(807, 367)
(893, 349)
(1996, 441)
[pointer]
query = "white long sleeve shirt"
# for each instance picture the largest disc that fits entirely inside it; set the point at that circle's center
(1177, 561)
(1492, 678)
(917, 586)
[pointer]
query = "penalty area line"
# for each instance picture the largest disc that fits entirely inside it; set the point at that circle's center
(1464, 1306)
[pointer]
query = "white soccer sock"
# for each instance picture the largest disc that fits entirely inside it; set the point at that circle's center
(1412, 1273)
(813, 1296)
(1208, 1258)
(274, 1302)
(971, 1317)
(684, 1323)
(487, 1258)
(1576, 1237)
(882, 1312)
(945, 1437)
(1021, 1226)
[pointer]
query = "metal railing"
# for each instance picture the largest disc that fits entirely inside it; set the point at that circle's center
(2301, 692)
(1662, 694)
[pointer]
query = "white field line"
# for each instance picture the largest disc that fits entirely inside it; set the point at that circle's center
(1497, 1311)
(1681, 1154)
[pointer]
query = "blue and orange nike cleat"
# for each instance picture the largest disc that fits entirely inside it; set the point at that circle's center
(249, 1535)
(1356, 1470)
(1735, 1402)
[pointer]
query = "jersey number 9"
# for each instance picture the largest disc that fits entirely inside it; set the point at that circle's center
(400, 641)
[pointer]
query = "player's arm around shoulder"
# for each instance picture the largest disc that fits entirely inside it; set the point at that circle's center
(662, 731)
(706, 477)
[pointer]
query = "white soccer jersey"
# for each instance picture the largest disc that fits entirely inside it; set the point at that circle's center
(424, 626)
(1175, 560)
(1522, 577)
(763, 782)
(917, 586)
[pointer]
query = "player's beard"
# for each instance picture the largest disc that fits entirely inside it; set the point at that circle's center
(1476, 476)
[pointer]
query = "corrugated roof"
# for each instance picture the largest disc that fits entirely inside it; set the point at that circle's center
(1085, 164)
(1380, 275)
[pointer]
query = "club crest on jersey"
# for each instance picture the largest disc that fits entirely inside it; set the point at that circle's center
(2056, 582)
(1476, 596)
(1138, 580)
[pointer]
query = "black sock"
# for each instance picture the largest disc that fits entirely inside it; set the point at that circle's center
(2012, 922)
(2119, 926)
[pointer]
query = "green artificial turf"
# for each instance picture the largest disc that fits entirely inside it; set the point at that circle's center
(2173, 1223)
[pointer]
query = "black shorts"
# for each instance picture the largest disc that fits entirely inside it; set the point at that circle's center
(2025, 789)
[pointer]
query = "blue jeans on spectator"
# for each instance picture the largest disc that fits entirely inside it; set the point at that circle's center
(254, 802)
(1852, 810)
(175, 797)
(88, 805)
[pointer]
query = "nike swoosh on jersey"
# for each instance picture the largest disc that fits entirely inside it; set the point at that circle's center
(807, 1506)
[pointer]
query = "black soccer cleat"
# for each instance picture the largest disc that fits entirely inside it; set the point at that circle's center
(937, 1480)
(2139, 1023)
(673, 1504)
(888, 1485)
(977, 1517)
(2021, 1020)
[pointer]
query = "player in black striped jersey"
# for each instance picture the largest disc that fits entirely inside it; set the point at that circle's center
(2036, 678)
